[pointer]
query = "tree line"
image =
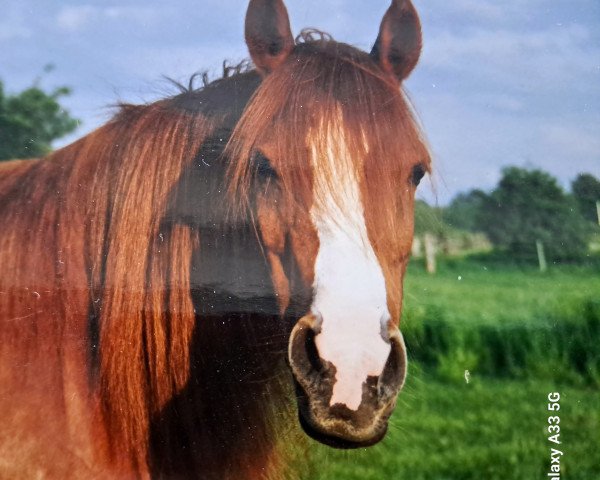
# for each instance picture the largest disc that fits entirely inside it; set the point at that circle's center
(528, 206)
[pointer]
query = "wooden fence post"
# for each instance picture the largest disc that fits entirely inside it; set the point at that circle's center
(541, 255)
(416, 250)
(430, 253)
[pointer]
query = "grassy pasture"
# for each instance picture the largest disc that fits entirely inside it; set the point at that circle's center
(521, 335)
(481, 292)
(506, 323)
(487, 429)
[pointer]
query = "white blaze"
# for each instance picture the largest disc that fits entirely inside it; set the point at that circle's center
(349, 285)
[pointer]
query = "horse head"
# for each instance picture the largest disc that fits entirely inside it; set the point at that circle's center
(327, 157)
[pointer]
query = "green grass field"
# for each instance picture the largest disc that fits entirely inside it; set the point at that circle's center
(487, 429)
(521, 334)
(473, 292)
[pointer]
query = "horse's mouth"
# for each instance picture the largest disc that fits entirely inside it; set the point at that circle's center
(339, 427)
(338, 441)
(336, 424)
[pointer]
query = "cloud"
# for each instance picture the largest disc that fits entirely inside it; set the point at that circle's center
(515, 84)
(177, 61)
(573, 142)
(486, 11)
(471, 143)
(75, 18)
(79, 17)
(479, 8)
(500, 102)
(15, 24)
(524, 60)
(12, 32)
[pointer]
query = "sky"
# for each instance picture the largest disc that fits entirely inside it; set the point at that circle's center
(515, 82)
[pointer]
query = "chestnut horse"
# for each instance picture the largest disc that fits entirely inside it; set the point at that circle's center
(163, 276)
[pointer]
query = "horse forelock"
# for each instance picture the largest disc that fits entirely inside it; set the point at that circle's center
(324, 86)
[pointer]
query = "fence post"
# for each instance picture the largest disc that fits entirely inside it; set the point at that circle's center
(598, 210)
(430, 253)
(541, 255)
(416, 250)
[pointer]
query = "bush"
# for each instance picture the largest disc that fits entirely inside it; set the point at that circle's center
(527, 206)
(564, 348)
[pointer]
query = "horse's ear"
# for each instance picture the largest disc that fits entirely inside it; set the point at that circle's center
(268, 34)
(398, 45)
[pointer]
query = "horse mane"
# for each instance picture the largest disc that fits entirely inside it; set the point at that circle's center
(146, 315)
(104, 199)
(228, 70)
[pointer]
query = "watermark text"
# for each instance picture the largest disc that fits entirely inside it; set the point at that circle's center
(554, 435)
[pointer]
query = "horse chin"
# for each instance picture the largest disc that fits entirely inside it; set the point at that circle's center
(339, 441)
(339, 427)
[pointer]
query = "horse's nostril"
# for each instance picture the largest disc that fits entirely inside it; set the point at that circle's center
(394, 372)
(311, 351)
(303, 353)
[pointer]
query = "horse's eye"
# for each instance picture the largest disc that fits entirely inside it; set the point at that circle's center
(418, 172)
(264, 169)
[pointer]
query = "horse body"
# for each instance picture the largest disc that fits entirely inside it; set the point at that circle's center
(158, 273)
(48, 413)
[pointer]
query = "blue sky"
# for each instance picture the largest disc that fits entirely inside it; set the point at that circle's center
(515, 82)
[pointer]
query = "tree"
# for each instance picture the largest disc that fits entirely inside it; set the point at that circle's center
(464, 211)
(427, 219)
(31, 120)
(529, 205)
(586, 190)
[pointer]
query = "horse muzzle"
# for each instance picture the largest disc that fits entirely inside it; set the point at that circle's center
(337, 425)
